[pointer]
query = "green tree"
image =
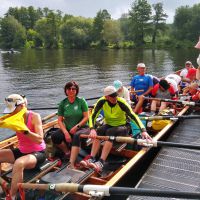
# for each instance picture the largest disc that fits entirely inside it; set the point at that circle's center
(26, 16)
(125, 26)
(98, 25)
(76, 32)
(112, 33)
(12, 33)
(48, 29)
(159, 20)
(140, 15)
(186, 23)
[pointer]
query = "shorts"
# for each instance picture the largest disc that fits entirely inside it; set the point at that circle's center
(40, 155)
(107, 130)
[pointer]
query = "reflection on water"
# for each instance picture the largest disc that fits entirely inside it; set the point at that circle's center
(42, 74)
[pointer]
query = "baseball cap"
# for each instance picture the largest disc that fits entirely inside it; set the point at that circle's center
(110, 90)
(12, 101)
(188, 62)
(117, 84)
(142, 65)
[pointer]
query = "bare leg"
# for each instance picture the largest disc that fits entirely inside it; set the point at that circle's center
(163, 106)
(24, 162)
(139, 104)
(153, 106)
(106, 150)
(74, 153)
(95, 147)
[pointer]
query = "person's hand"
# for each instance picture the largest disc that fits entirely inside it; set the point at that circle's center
(73, 130)
(93, 134)
(146, 136)
(68, 137)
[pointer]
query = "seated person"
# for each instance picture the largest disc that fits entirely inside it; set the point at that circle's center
(174, 80)
(162, 90)
(142, 82)
(116, 110)
(122, 91)
(192, 91)
(184, 72)
(31, 150)
(73, 115)
(191, 75)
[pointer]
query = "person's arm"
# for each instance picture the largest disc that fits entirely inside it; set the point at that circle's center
(148, 91)
(38, 135)
(198, 73)
(63, 128)
(81, 123)
(127, 95)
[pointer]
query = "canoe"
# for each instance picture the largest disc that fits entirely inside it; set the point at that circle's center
(121, 161)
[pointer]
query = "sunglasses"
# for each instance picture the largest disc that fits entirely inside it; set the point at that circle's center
(13, 100)
(113, 95)
(71, 88)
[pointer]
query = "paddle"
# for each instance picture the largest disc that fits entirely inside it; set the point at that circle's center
(187, 103)
(142, 142)
(56, 107)
(171, 117)
(103, 190)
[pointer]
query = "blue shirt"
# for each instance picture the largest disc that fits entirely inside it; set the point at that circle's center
(142, 83)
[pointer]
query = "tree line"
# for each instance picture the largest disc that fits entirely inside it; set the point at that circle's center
(143, 26)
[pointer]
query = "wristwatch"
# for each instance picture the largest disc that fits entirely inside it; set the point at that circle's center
(78, 126)
(26, 132)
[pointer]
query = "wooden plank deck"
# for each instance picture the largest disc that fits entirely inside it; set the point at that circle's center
(173, 168)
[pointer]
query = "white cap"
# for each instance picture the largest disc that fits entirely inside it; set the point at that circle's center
(117, 84)
(109, 90)
(12, 101)
(188, 62)
(141, 65)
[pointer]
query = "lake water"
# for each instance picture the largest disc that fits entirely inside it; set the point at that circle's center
(42, 74)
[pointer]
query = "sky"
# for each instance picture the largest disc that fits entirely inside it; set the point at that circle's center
(89, 8)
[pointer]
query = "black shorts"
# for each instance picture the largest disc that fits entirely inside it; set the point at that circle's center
(107, 130)
(40, 155)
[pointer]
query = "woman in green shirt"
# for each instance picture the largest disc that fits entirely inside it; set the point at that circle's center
(73, 115)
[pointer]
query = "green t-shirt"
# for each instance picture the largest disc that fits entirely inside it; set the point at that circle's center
(72, 112)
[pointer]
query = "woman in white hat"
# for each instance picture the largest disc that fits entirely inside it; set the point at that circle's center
(122, 91)
(31, 150)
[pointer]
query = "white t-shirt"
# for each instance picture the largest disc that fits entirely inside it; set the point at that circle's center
(175, 77)
(184, 73)
(173, 83)
(125, 94)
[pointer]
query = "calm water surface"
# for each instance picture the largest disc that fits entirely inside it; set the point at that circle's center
(42, 74)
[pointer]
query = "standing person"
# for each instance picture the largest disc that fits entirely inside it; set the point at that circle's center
(116, 110)
(142, 82)
(31, 150)
(73, 115)
(122, 91)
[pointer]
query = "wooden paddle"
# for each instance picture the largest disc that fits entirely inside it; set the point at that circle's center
(170, 117)
(187, 103)
(102, 190)
(145, 143)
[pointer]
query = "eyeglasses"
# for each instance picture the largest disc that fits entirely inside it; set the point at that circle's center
(71, 88)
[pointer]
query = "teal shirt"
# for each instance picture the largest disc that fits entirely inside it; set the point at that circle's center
(72, 112)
